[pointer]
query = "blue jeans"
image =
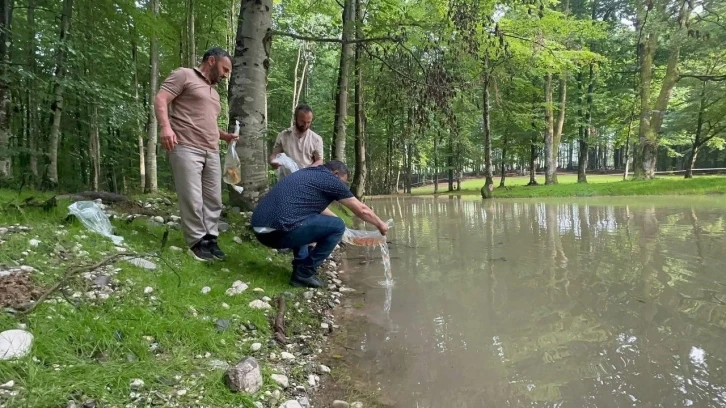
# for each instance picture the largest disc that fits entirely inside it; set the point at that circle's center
(324, 230)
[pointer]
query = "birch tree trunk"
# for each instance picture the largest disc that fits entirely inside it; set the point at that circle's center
(6, 10)
(488, 189)
(152, 185)
(57, 107)
(94, 149)
(341, 96)
(247, 90)
(140, 133)
(549, 141)
(32, 108)
(560, 126)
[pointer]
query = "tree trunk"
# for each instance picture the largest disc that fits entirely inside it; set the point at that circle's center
(247, 90)
(450, 162)
(191, 39)
(30, 90)
(560, 125)
(6, 14)
(94, 148)
(505, 144)
(140, 133)
(341, 96)
(57, 106)
(152, 185)
(697, 141)
(361, 170)
(549, 141)
(487, 191)
(409, 166)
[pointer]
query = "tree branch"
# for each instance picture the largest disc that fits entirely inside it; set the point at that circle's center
(716, 78)
(332, 40)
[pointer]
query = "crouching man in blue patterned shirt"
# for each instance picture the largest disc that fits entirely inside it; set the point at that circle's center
(294, 214)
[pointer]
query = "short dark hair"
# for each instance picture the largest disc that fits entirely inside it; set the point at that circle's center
(217, 53)
(337, 165)
(302, 108)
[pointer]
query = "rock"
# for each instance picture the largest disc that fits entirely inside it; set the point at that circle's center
(225, 270)
(221, 324)
(244, 377)
(8, 385)
(148, 290)
(181, 393)
(15, 344)
(258, 404)
(136, 384)
(308, 295)
(206, 290)
(312, 380)
(225, 306)
(166, 201)
(258, 304)
(175, 249)
(237, 288)
(142, 263)
(89, 404)
(287, 356)
(102, 281)
(276, 394)
(34, 243)
(266, 299)
(158, 219)
(281, 380)
(256, 346)
(304, 402)
(324, 326)
(121, 250)
(223, 226)
(346, 290)
(337, 281)
(291, 404)
(218, 365)
(323, 369)
(340, 404)
(237, 240)
(71, 404)
(258, 290)
(356, 405)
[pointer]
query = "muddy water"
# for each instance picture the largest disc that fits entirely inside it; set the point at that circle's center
(598, 303)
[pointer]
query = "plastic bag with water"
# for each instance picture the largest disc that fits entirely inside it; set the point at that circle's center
(232, 165)
(287, 165)
(365, 238)
(94, 219)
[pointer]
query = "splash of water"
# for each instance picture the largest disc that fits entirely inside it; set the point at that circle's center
(386, 256)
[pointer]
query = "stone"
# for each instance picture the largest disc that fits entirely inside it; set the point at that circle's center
(256, 346)
(237, 240)
(287, 356)
(142, 263)
(258, 404)
(340, 404)
(356, 404)
(148, 290)
(324, 326)
(221, 324)
(312, 381)
(291, 404)
(280, 380)
(237, 288)
(258, 290)
(158, 219)
(225, 306)
(102, 281)
(266, 299)
(136, 384)
(181, 393)
(223, 226)
(260, 305)
(346, 290)
(8, 385)
(218, 365)
(15, 344)
(175, 249)
(206, 290)
(34, 242)
(337, 281)
(304, 402)
(308, 295)
(323, 369)
(276, 394)
(245, 376)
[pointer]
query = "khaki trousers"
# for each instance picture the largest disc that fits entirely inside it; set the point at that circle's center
(198, 182)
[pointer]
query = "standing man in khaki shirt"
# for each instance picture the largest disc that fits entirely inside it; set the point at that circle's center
(190, 135)
(301, 144)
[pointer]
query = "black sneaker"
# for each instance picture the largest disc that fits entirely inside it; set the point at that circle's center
(214, 249)
(200, 251)
(311, 282)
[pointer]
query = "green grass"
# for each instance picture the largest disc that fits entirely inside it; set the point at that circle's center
(598, 185)
(93, 350)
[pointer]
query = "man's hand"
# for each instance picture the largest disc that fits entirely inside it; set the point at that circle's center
(383, 228)
(168, 138)
(228, 137)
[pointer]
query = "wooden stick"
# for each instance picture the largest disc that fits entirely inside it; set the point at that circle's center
(280, 321)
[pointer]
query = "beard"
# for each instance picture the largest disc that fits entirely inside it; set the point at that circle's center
(301, 128)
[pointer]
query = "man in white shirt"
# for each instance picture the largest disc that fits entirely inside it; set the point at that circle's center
(298, 142)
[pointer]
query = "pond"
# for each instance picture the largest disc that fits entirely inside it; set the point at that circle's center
(565, 303)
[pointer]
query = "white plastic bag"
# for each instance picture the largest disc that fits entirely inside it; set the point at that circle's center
(287, 165)
(365, 238)
(94, 219)
(232, 165)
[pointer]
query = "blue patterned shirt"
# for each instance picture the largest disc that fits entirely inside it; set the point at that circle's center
(298, 196)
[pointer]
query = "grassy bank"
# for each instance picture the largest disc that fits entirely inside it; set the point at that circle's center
(598, 185)
(154, 325)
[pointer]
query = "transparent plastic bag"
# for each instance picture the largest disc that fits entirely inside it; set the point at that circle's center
(365, 238)
(94, 219)
(232, 165)
(287, 165)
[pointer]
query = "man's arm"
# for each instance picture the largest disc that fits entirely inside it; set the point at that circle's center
(276, 149)
(161, 109)
(227, 137)
(365, 213)
(317, 152)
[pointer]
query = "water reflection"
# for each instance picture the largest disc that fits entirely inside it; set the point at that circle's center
(549, 304)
